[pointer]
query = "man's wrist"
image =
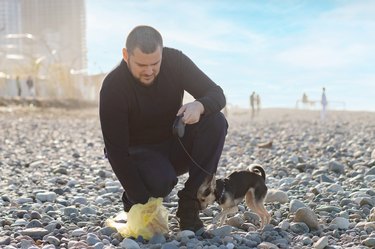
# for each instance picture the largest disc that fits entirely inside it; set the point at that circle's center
(201, 106)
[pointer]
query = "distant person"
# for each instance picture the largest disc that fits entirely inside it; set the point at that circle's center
(252, 104)
(139, 102)
(257, 102)
(30, 86)
(18, 85)
(305, 100)
(324, 103)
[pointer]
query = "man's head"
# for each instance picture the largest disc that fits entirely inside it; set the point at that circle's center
(143, 53)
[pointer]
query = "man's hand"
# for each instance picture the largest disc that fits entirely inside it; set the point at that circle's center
(191, 112)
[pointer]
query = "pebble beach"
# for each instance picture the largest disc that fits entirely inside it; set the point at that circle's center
(57, 189)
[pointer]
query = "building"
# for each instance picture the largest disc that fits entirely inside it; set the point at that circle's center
(61, 28)
(10, 20)
(47, 40)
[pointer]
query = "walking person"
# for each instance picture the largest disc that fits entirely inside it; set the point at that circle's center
(30, 85)
(252, 104)
(18, 85)
(324, 103)
(257, 101)
(139, 102)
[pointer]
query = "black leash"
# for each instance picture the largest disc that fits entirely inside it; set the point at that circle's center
(179, 131)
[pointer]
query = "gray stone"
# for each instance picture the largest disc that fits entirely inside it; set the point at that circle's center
(341, 223)
(294, 205)
(321, 243)
(46, 196)
(370, 242)
(35, 233)
(129, 244)
(336, 167)
(222, 231)
(5, 240)
(299, 227)
(307, 216)
(275, 195)
(169, 245)
(371, 171)
(70, 210)
(157, 239)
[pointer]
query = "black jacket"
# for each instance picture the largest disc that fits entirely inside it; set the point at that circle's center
(133, 114)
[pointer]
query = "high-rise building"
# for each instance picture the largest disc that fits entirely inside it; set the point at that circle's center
(45, 40)
(59, 27)
(10, 21)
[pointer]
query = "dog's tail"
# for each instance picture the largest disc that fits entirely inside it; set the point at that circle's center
(257, 169)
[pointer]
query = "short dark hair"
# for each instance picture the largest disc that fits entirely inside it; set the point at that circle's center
(146, 38)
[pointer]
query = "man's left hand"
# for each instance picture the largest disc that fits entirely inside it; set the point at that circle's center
(191, 112)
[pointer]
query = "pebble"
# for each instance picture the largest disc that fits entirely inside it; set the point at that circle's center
(341, 223)
(321, 243)
(275, 195)
(307, 216)
(320, 179)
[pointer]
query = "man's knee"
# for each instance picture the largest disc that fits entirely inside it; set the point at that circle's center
(217, 123)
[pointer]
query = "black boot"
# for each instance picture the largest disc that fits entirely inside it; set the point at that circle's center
(188, 213)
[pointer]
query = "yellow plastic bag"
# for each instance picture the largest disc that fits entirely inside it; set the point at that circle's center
(142, 219)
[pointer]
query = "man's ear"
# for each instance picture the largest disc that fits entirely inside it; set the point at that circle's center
(125, 55)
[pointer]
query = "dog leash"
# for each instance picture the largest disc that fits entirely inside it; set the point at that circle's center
(192, 159)
(178, 129)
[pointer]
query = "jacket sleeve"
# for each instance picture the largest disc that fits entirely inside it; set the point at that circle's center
(200, 86)
(113, 114)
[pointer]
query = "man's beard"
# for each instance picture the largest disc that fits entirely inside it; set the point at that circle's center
(138, 80)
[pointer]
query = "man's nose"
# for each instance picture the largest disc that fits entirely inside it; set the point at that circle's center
(148, 70)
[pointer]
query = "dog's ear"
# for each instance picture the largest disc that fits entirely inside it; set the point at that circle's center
(205, 194)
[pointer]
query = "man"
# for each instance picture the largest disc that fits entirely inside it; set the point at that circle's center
(324, 103)
(139, 101)
(252, 104)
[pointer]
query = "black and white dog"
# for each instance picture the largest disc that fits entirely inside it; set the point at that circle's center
(229, 192)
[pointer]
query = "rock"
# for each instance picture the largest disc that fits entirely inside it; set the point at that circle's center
(299, 227)
(372, 214)
(370, 242)
(321, 243)
(336, 167)
(46, 196)
(295, 205)
(334, 188)
(235, 221)
(307, 216)
(370, 171)
(5, 240)
(157, 239)
(275, 195)
(129, 244)
(267, 245)
(185, 233)
(222, 231)
(35, 233)
(341, 223)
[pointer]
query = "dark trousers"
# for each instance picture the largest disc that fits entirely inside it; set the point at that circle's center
(160, 164)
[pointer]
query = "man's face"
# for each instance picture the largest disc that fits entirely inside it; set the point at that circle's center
(144, 67)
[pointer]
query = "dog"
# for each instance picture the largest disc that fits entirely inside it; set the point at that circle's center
(229, 192)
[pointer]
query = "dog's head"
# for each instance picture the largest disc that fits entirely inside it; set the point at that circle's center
(206, 192)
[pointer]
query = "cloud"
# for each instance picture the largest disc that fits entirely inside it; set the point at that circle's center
(338, 39)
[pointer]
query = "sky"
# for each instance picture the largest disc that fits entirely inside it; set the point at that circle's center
(279, 49)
